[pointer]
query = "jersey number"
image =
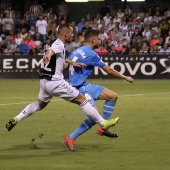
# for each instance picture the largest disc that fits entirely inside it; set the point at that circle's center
(71, 69)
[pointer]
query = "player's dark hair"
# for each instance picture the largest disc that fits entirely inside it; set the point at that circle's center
(90, 33)
(62, 27)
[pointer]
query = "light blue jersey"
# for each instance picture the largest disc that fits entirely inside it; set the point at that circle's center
(78, 75)
(84, 54)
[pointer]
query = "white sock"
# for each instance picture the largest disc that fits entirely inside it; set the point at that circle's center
(28, 111)
(90, 111)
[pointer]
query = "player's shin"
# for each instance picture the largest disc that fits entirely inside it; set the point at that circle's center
(108, 108)
(90, 111)
(28, 111)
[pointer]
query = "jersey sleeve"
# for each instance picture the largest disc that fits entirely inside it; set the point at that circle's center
(97, 61)
(57, 47)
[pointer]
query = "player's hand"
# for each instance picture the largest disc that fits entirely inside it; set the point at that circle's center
(76, 64)
(129, 79)
(45, 59)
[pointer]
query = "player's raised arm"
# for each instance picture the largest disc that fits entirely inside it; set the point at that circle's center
(115, 73)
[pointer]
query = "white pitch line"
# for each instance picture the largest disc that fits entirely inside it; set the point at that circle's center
(128, 95)
(133, 95)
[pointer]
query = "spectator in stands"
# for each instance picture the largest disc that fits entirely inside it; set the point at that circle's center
(32, 19)
(125, 50)
(23, 33)
(146, 32)
(47, 44)
(165, 50)
(111, 25)
(13, 46)
(108, 44)
(97, 18)
(24, 48)
(22, 25)
(38, 41)
(164, 27)
(112, 51)
(18, 39)
(9, 10)
(107, 18)
(36, 8)
(154, 41)
(76, 43)
(87, 27)
(123, 26)
(138, 24)
(136, 35)
(133, 51)
(92, 23)
(125, 38)
(120, 14)
(144, 50)
(154, 25)
(102, 35)
(119, 47)
(17, 51)
(101, 50)
(8, 22)
(81, 25)
(15, 21)
(75, 29)
(51, 29)
(148, 18)
(12, 35)
(41, 52)
(7, 41)
(52, 13)
(69, 48)
(8, 50)
(160, 43)
(32, 31)
(88, 17)
(62, 11)
(41, 26)
(31, 43)
(116, 19)
(168, 37)
(154, 50)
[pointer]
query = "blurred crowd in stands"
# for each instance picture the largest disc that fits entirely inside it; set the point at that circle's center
(122, 31)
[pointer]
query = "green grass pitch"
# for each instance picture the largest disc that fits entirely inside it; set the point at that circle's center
(35, 143)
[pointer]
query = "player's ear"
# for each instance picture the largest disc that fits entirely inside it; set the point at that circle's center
(93, 41)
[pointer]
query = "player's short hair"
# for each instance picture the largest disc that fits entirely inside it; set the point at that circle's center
(90, 33)
(63, 27)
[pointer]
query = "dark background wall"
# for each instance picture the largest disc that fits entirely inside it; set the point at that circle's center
(78, 10)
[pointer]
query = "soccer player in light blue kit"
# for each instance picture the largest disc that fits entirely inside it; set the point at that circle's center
(77, 78)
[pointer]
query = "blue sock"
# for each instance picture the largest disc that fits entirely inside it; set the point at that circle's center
(108, 109)
(85, 125)
(89, 122)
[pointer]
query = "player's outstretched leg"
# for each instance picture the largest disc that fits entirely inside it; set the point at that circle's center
(28, 111)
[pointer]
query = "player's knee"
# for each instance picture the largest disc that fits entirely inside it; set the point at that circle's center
(114, 97)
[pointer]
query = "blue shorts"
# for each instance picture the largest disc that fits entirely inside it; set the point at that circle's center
(92, 92)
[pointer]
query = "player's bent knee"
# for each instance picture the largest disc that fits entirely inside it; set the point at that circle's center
(79, 99)
(113, 97)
